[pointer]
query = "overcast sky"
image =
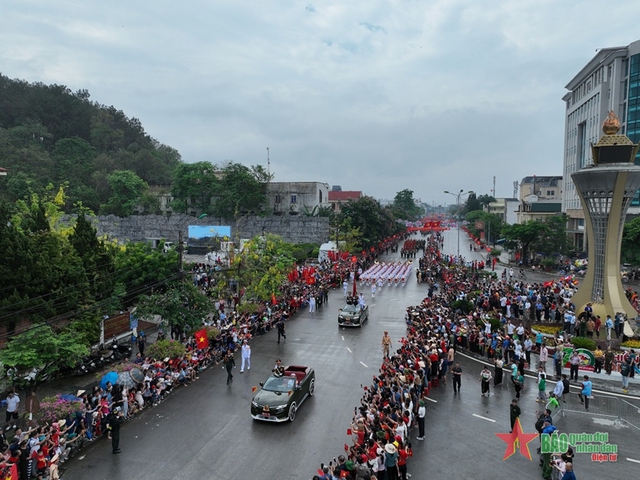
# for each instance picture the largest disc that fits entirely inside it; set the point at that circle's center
(372, 95)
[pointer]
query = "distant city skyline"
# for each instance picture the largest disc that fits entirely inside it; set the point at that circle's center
(373, 96)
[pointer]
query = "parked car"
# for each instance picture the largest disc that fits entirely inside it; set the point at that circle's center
(353, 315)
(281, 395)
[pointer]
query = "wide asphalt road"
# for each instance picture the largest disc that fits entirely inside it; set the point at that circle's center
(205, 430)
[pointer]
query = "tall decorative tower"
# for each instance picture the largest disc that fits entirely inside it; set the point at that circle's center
(606, 189)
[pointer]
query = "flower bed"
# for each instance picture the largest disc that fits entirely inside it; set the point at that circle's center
(55, 408)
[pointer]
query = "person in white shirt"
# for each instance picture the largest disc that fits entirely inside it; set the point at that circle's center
(246, 356)
(13, 403)
(422, 412)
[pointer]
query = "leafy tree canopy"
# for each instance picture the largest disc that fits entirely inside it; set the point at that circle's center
(263, 266)
(127, 189)
(182, 306)
(631, 242)
(43, 351)
(373, 222)
(404, 206)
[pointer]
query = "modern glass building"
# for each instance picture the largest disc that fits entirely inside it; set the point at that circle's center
(610, 81)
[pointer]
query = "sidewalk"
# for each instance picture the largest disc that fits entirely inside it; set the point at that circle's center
(609, 384)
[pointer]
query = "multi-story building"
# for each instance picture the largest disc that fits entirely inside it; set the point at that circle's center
(610, 81)
(293, 198)
(539, 197)
(505, 208)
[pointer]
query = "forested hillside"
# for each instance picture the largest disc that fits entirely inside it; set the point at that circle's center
(51, 135)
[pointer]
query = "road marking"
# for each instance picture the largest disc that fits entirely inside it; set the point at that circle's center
(484, 418)
(633, 460)
(343, 338)
(430, 399)
(364, 365)
(349, 350)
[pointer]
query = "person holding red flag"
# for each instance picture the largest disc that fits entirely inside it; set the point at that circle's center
(202, 339)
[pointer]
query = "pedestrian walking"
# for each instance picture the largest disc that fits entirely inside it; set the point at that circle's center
(386, 344)
(281, 329)
(608, 361)
(519, 383)
(632, 363)
(312, 303)
(345, 287)
(542, 387)
(373, 290)
(585, 394)
(246, 356)
(456, 372)
(624, 372)
(229, 364)
(608, 324)
(485, 379)
(514, 412)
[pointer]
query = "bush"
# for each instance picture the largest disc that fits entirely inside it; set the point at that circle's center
(495, 252)
(56, 408)
(580, 342)
(465, 306)
(631, 344)
(548, 264)
(250, 307)
(166, 348)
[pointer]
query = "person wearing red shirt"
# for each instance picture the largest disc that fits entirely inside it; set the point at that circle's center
(404, 452)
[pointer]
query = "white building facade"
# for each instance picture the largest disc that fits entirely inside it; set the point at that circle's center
(610, 81)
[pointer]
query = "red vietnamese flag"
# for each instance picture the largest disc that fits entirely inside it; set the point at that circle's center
(273, 299)
(201, 338)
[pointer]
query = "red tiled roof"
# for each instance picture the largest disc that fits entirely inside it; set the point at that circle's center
(344, 195)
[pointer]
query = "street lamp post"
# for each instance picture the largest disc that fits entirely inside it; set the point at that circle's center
(458, 197)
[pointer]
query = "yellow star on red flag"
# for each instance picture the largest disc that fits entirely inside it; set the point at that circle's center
(517, 439)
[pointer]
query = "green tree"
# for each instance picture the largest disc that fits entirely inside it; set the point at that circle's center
(548, 236)
(97, 258)
(493, 224)
(242, 191)
(404, 206)
(263, 265)
(630, 252)
(485, 200)
(182, 305)
(472, 204)
(39, 353)
(140, 268)
(194, 186)
(373, 222)
(127, 188)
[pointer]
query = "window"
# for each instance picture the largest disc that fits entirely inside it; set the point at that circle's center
(319, 196)
(277, 199)
(550, 193)
(294, 199)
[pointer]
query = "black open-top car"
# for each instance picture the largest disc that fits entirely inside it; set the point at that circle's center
(281, 395)
(353, 315)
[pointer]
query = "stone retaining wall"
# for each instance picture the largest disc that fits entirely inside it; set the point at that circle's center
(138, 228)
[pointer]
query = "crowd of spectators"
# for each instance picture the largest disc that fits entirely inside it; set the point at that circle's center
(465, 307)
(38, 450)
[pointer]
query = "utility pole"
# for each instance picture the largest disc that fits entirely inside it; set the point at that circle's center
(180, 249)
